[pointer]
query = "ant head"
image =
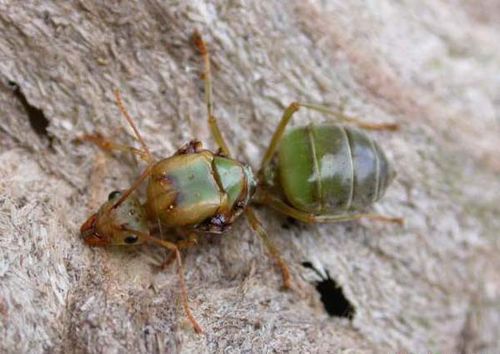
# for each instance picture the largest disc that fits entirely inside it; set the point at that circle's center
(89, 234)
(124, 224)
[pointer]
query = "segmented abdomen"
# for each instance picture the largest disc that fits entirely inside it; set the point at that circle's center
(331, 168)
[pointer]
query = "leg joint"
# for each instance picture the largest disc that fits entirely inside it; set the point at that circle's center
(294, 106)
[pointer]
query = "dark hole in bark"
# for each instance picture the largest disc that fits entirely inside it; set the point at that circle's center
(38, 122)
(332, 295)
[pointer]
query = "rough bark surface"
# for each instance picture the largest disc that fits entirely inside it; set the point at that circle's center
(432, 66)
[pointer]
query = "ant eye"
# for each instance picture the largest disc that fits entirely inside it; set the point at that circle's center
(113, 195)
(131, 239)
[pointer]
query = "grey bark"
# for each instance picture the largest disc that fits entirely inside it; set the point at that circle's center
(432, 66)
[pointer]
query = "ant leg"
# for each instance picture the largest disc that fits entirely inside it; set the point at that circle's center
(145, 174)
(342, 117)
(180, 268)
(339, 115)
(207, 77)
(278, 134)
(273, 251)
(192, 240)
(309, 218)
(146, 153)
(107, 145)
(168, 261)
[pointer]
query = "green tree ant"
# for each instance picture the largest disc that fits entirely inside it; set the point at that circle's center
(200, 191)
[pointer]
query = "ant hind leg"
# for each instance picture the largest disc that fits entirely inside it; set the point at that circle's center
(283, 208)
(340, 116)
(278, 134)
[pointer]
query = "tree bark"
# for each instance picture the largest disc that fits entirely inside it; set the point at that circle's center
(432, 67)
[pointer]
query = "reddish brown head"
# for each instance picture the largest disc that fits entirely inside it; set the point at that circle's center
(115, 225)
(90, 235)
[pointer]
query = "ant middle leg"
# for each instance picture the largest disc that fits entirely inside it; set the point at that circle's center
(271, 248)
(207, 77)
(182, 283)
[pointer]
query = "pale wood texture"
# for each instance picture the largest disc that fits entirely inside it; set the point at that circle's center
(431, 66)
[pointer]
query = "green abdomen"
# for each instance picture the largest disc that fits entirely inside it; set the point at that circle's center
(331, 168)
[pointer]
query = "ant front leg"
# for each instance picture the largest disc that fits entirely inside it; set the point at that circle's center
(207, 77)
(184, 293)
(108, 145)
(190, 241)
